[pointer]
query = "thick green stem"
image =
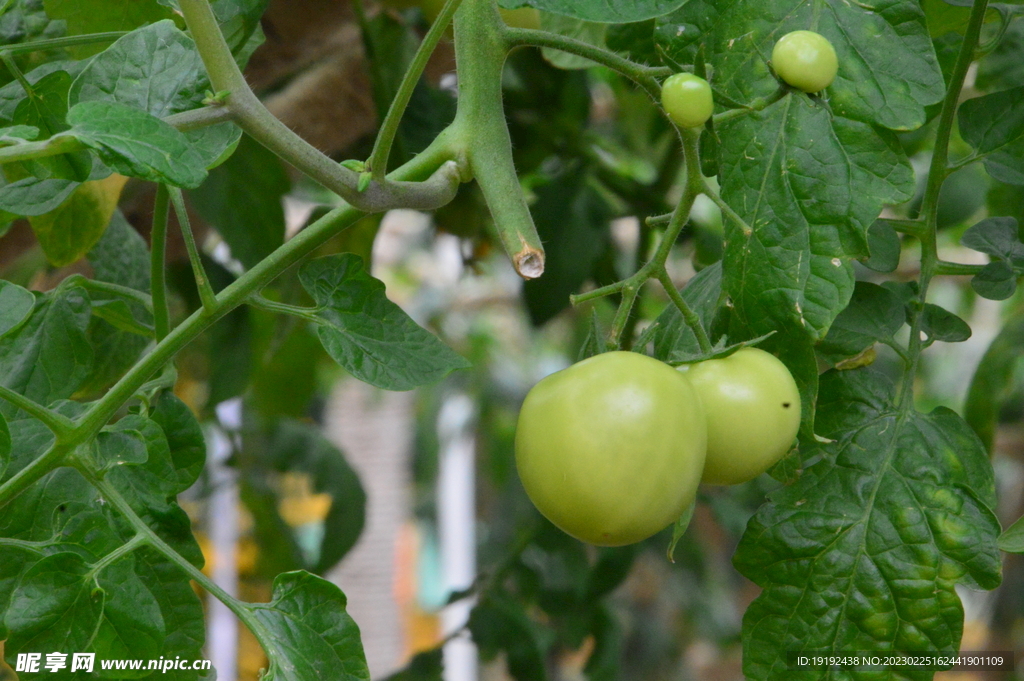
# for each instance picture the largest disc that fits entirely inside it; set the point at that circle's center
(206, 293)
(937, 173)
(644, 76)
(480, 50)
(264, 127)
(378, 162)
(158, 263)
(28, 475)
(957, 268)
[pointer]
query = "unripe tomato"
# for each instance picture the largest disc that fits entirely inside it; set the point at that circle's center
(611, 449)
(687, 99)
(753, 411)
(806, 60)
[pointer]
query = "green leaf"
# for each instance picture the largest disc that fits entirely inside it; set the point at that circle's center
(34, 195)
(5, 445)
(137, 144)
(70, 230)
(98, 16)
(310, 635)
(367, 334)
(46, 108)
(671, 335)
(594, 343)
(296, 446)
(56, 606)
(132, 625)
(572, 220)
(155, 69)
(589, 32)
(239, 22)
(995, 122)
(997, 237)
(185, 441)
(121, 257)
(242, 199)
(609, 11)
(996, 281)
(16, 305)
(809, 185)
(874, 315)
(863, 551)
(48, 356)
(1012, 540)
(16, 134)
(118, 445)
(888, 72)
(939, 324)
(994, 379)
(884, 245)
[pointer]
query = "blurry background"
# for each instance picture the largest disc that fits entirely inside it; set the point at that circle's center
(409, 500)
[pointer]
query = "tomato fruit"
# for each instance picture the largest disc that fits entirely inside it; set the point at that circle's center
(753, 410)
(806, 60)
(611, 449)
(687, 99)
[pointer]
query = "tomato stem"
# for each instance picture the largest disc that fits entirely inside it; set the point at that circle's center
(157, 263)
(206, 293)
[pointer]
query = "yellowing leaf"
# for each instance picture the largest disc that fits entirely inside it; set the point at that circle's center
(68, 232)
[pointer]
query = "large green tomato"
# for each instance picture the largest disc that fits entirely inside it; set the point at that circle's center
(611, 449)
(687, 100)
(806, 60)
(753, 411)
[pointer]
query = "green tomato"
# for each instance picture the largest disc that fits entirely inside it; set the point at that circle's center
(753, 411)
(687, 99)
(806, 60)
(611, 449)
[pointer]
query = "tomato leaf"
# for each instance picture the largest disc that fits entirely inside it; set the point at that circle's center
(874, 315)
(16, 305)
(68, 232)
(863, 551)
(994, 379)
(242, 199)
(939, 324)
(97, 16)
(1012, 540)
(137, 144)
(609, 11)
(367, 334)
(48, 356)
(311, 635)
(884, 245)
(994, 125)
(670, 333)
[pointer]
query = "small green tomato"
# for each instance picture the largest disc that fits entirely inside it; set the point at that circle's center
(611, 449)
(687, 99)
(753, 410)
(806, 60)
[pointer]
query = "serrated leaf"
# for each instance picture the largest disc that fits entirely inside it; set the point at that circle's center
(993, 380)
(888, 72)
(155, 69)
(137, 144)
(48, 356)
(242, 199)
(874, 315)
(16, 305)
(608, 11)
(939, 324)
(671, 335)
(310, 634)
(863, 551)
(809, 185)
(884, 246)
(367, 334)
(1012, 540)
(70, 230)
(98, 16)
